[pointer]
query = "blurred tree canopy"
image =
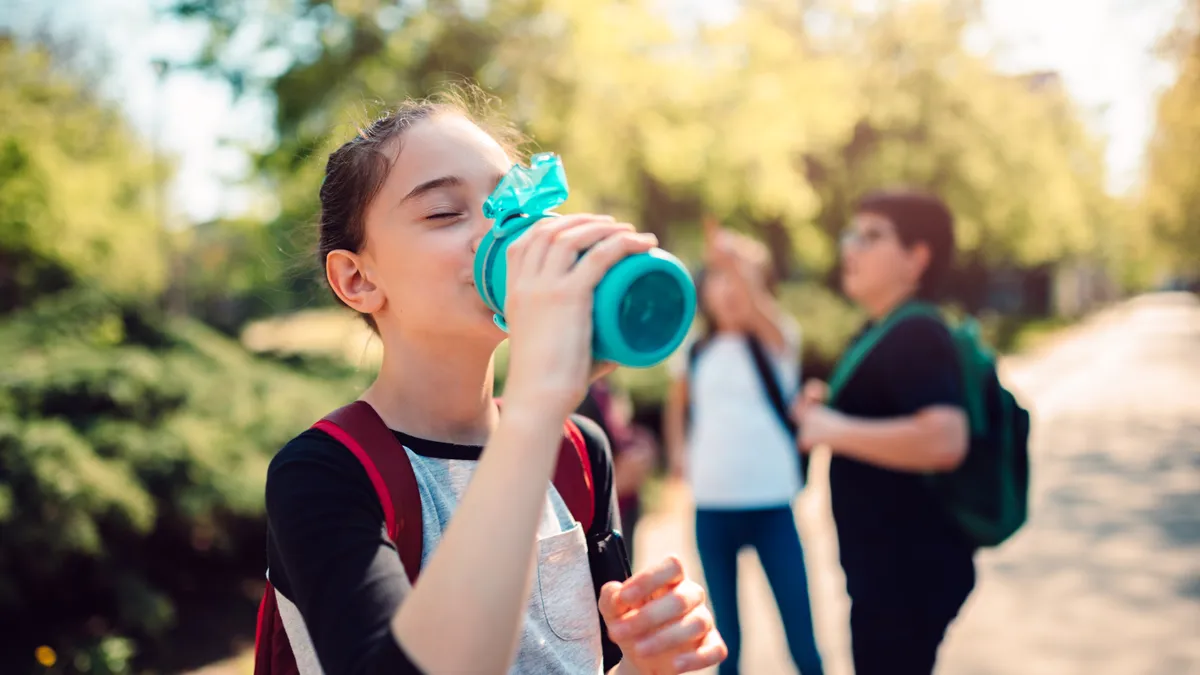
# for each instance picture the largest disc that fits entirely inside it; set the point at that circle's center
(76, 189)
(1172, 187)
(133, 446)
(775, 121)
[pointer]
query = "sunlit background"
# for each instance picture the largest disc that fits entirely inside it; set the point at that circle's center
(163, 331)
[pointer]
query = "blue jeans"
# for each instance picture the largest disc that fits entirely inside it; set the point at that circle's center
(720, 534)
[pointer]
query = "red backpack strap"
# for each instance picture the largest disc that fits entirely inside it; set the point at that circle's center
(573, 476)
(272, 650)
(358, 427)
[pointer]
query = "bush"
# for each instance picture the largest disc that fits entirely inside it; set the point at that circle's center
(133, 453)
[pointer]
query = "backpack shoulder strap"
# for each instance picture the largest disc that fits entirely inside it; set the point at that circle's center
(770, 382)
(693, 353)
(854, 355)
(573, 476)
(272, 650)
(358, 427)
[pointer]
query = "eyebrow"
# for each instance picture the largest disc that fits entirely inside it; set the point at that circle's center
(431, 185)
(443, 182)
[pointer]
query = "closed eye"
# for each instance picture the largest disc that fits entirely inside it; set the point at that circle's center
(443, 216)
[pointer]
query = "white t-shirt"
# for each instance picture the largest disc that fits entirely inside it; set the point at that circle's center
(739, 455)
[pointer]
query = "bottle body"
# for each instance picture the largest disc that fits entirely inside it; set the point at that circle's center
(642, 309)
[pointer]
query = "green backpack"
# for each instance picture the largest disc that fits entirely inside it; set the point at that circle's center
(987, 495)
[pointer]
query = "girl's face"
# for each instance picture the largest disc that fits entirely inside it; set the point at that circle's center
(423, 227)
(721, 300)
(875, 263)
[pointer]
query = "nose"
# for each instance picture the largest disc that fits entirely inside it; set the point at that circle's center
(480, 230)
(849, 253)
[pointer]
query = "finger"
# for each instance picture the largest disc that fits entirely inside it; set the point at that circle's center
(799, 408)
(797, 401)
(528, 250)
(602, 369)
(569, 243)
(816, 391)
(687, 632)
(651, 617)
(641, 587)
(712, 650)
(596, 262)
(528, 253)
(609, 608)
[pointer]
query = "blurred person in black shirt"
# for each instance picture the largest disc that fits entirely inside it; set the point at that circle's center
(900, 415)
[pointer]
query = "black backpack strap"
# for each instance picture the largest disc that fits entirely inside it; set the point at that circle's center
(693, 356)
(770, 382)
(607, 555)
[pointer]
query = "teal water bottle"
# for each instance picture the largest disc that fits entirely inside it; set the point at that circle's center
(643, 306)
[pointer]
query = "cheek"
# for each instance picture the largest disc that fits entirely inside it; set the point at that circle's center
(882, 267)
(716, 294)
(850, 259)
(426, 265)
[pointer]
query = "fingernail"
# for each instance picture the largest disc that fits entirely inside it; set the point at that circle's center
(681, 663)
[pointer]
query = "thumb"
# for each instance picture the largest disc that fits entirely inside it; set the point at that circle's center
(610, 608)
(816, 391)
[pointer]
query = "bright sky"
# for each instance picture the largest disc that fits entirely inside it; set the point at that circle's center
(1100, 47)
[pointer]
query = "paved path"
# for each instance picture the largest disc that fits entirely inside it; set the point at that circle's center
(1106, 576)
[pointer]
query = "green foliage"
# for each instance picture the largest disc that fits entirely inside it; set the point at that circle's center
(1172, 190)
(1008, 153)
(126, 440)
(775, 122)
(76, 189)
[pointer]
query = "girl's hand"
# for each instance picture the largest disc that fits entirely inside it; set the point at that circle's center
(659, 620)
(553, 270)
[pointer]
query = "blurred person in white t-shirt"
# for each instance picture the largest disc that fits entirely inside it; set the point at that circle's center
(727, 432)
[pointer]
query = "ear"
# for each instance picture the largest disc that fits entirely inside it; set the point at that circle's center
(349, 276)
(919, 257)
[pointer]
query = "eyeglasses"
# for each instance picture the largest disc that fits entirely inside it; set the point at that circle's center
(859, 239)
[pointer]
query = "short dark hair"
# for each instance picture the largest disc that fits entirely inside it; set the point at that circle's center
(918, 217)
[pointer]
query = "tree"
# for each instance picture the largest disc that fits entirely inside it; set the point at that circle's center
(1009, 153)
(133, 446)
(775, 121)
(1171, 193)
(76, 188)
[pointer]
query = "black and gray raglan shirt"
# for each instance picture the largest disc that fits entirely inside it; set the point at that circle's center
(339, 579)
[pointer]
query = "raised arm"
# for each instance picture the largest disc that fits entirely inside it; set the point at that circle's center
(465, 613)
(674, 425)
(747, 266)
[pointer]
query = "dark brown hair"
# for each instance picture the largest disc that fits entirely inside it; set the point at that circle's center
(918, 217)
(357, 170)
